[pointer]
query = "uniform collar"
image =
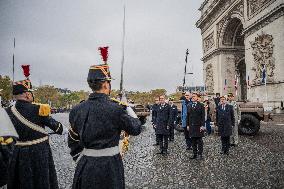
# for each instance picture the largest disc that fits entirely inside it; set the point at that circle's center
(97, 95)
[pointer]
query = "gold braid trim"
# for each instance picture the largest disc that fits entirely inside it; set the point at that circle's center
(26, 122)
(72, 137)
(70, 129)
(32, 142)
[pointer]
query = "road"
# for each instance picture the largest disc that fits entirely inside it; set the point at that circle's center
(257, 162)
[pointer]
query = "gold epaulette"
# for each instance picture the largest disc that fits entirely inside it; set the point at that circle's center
(119, 102)
(7, 141)
(44, 109)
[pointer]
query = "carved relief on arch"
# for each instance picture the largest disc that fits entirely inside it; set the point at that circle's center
(208, 42)
(209, 79)
(262, 51)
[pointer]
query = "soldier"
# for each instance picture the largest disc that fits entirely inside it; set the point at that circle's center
(8, 135)
(195, 126)
(174, 114)
(162, 123)
(185, 103)
(96, 125)
(225, 121)
(154, 115)
(234, 139)
(32, 164)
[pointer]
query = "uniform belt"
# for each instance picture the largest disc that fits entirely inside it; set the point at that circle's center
(102, 152)
(32, 142)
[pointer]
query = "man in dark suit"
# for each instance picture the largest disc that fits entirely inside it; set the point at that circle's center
(154, 115)
(225, 122)
(195, 126)
(174, 114)
(162, 123)
(217, 99)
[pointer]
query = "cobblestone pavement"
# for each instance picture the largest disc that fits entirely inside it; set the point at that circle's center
(257, 162)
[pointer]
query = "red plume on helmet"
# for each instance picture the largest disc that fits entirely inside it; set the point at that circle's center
(104, 53)
(26, 69)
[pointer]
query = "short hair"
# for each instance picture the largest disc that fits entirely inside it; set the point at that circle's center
(223, 97)
(96, 85)
(161, 96)
(187, 93)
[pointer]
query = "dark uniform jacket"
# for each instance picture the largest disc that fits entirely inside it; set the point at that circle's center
(225, 120)
(174, 114)
(163, 119)
(32, 166)
(154, 112)
(97, 124)
(195, 119)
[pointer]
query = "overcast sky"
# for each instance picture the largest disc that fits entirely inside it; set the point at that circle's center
(59, 39)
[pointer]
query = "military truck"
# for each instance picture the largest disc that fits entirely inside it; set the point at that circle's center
(251, 115)
(141, 112)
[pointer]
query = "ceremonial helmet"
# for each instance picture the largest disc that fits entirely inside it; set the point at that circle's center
(23, 86)
(100, 72)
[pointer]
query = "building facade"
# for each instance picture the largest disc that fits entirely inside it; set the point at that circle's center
(243, 40)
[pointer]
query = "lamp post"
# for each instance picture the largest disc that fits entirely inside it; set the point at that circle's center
(185, 70)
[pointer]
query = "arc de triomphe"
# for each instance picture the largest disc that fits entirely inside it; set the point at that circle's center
(241, 38)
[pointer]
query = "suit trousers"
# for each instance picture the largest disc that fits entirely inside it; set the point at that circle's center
(225, 144)
(172, 132)
(188, 140)
(163, 142)
(197, 145)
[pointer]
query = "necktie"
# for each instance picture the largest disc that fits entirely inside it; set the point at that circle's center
(223, 107)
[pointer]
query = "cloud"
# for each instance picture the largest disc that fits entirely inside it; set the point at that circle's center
(60, 40)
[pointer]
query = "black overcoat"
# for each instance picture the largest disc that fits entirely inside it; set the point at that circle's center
(225, 120)
(32, 167)
(174, 114)
(97, 124)
(195, 119)
(154, 112)
(163, 119)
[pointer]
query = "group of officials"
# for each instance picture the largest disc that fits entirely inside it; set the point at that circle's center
(196, 119)
(26, 160)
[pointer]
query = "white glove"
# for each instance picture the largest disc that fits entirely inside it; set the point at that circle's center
(130, 112)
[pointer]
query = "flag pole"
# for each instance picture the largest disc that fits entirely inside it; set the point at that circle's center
(265, 81)
(123, 49)
(14, 60)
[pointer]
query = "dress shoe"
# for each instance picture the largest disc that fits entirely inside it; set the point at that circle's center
(156, 144)
(161, 152)
(189, 148)
(200, 157)
(194, 157)
(165, 152)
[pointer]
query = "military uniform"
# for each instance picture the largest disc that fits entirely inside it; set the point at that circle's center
(174, 114)
(31, 165)
(96, 125)
(154, 115)
(234, 139)
(8, 135)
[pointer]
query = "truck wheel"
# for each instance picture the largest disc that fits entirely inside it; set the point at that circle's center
(142, 120)
(249, 124)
